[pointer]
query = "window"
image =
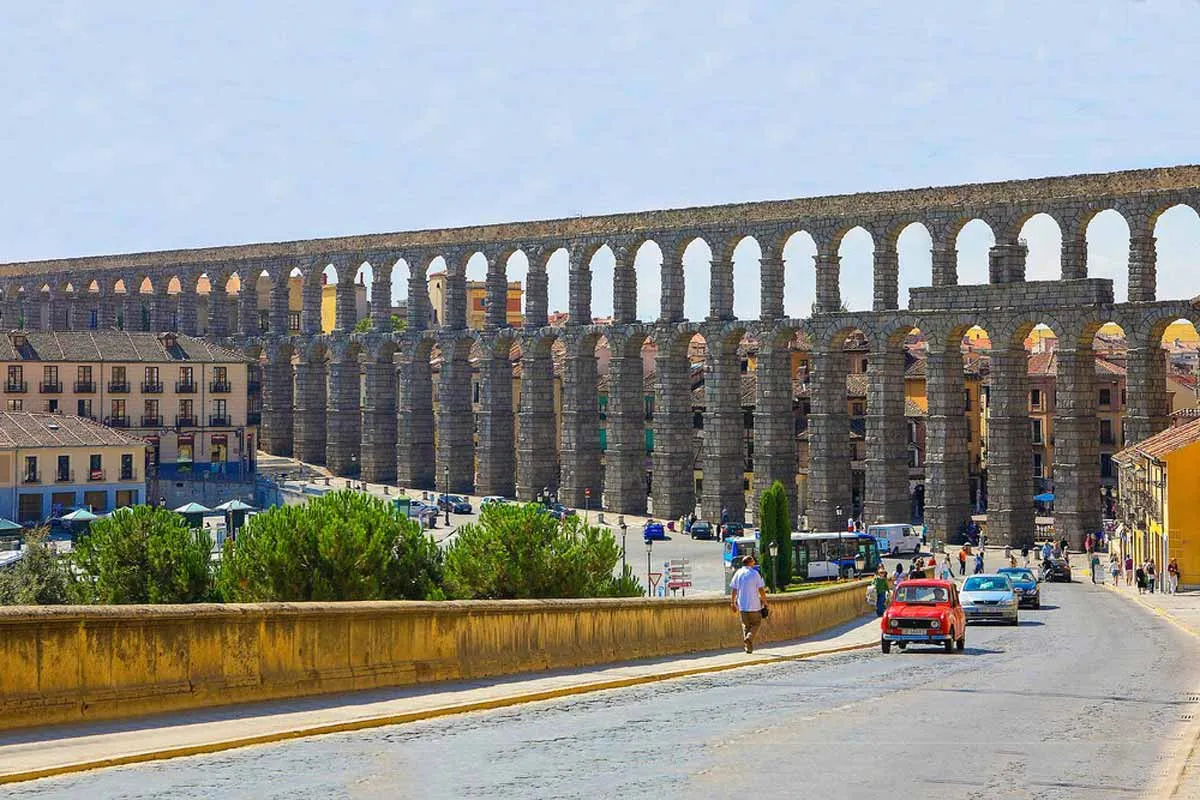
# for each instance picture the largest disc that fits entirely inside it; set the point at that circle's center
(1106, 431)
(31, 469)
(119, 381)
(186, 377)
(649, 408)
(50, 374)
(1106, 465)
(1106, 397)
(16, 379)
(1036, 427)
(186, 449)
(63, 472)
(1037, 466)
(150, 415)
(219, 449)
(967, 399)
(1124, 397)
(118, 417)
(16, 405)
(52, 406)
(83, 408)
(1035, 398)
(475, 392)
(220, 415)
(127, 466)
(83, 380)
(294, 321)
(93, 319)
(151, 383)
(698, 420)
(858, 409)
(95, 467)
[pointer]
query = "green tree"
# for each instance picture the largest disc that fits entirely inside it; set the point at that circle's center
(341, 546)
(40, 578)
(143, 554)
(520, 551)
(365, 325)
(775, 526)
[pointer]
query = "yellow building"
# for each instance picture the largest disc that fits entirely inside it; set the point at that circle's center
(53, 463)
(191, 400)
(1160, 500)
(476, 301)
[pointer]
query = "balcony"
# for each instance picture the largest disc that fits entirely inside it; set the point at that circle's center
(217, 421)
(16, 386)
(254, 418)
(185, 422)
(118, 387)
(64, 476)
(152, 387)
(219, 387)
(117, 422)
(185, 387)
(95, 474)
(31, 477)
(85, 387)
(155, 421)
(50, 387)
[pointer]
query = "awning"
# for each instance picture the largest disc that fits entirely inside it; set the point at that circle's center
(1044, 497)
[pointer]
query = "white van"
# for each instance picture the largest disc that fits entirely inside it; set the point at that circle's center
(896, 538)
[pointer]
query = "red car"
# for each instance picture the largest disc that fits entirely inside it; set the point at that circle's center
(924, 611)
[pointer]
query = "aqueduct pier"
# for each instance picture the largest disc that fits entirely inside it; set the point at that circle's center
(315, 409)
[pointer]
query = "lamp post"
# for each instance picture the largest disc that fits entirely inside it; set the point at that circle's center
(649, 551)
(446, 492)
(773, 549)
(621, 522)
(587, 502)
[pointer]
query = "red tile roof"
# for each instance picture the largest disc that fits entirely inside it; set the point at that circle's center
(1163, 444)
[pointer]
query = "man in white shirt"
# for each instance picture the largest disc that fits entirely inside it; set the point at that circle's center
(749, 599)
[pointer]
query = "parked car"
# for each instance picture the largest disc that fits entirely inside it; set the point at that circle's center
(896, 538)
(493, 500)
(425, 513)
(990, 597)
(924, 611)
(653, 529)
(732, 529)
(701, 530)
(1029, 593)
(456, 503)
(560, 512)
(1056, 569)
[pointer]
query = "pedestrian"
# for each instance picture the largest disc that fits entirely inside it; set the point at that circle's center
(962, 560)
(1172, 576)
(1007, 553)
(1025, 553)
(1088, 544)
(1151, 575)
(1095, 564)
(749, 600)
(1129, 570)
(1140, 576)
(979, 562)
(947, 569)
(899, 576)
(1114, 568)
(880, 583)
(1047, 551)
(850, 524)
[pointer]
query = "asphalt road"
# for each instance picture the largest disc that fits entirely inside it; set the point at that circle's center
(1084, 699)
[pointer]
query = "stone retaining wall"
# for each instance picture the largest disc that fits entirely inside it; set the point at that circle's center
(69, 664)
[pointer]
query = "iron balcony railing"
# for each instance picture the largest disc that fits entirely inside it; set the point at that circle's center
(152, 387)
(118, 387)
(219, 387)
(16, 386)
(185, 387)
(85, 387)
(117, 422)
(50, 387)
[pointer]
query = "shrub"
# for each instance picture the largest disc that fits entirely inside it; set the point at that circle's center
(40, 578)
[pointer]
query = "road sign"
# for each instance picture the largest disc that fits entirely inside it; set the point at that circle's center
(654, 579)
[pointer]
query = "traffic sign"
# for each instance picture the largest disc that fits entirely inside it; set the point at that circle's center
(654, 579)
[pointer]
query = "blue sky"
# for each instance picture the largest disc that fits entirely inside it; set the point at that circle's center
(147, 125)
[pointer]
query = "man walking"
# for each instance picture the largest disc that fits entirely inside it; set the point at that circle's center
(749, 599)
(962, 560)
(880, 584)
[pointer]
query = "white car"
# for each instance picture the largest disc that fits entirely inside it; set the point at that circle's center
(989, 597)
(493, 500)
(896, 538)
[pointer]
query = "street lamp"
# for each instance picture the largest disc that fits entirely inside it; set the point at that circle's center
(587, 502)
(773, 549)
(446, 492)
(621, 522)
(649, 551)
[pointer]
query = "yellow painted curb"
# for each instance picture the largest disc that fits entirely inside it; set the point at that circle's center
(410, 716)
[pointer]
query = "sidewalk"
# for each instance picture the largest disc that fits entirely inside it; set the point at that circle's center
(1181, 608)
(43, 752)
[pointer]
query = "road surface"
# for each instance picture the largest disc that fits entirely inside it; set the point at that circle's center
(1083, 699)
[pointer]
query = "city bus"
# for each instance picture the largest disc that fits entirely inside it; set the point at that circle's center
(840, 554)
(735, 549)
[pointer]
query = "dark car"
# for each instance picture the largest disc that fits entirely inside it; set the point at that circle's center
(1056, 569)
(1029, 593)
(701, 530)
(653, 529)
(731, 529)
(456, 503)
(560, 512)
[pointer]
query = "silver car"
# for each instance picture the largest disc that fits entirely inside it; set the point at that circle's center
(989, 598)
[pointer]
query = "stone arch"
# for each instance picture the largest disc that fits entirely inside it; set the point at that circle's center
(973, 238)
(856, 251)
(799, 251)
(1176, 231)
(742, 257)
(556, 264)
(600, 260)
(913, 244)
(648, 261)
(1042, 233)
(696, 255)
(1107, 239)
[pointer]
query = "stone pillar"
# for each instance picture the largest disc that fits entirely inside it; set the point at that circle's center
(536, 300)
(947, 436)
(1148, 404)
(277, 321)
(343, 419)
(1076, 447)
(160, 310)
(218, 313)
(887, 497)
(345, 315)
(771, 275)
(455, 420)
(310, 312)
(580, 451)
(1006, 262)
(456, 300)
(886, 281)
(724, 455)
(497, 467)
(537, 454)
(248, 310)
(829, 471)
(189, 322)
(278, 401)
(59, 312)
(828, 291)
(624, 287)
(673, 486)
(1010, 448)
(1143, 260)
(1074, 252)
(944, 264)
(625, 457)
(381, 304)
(775, 425)
(419, 314)
(309, 415)
(671, 306)
(379, 438)
(496, 312)
(106, 311)
(720, 289)
(579, 289)
(10, 312)
(414, 419)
